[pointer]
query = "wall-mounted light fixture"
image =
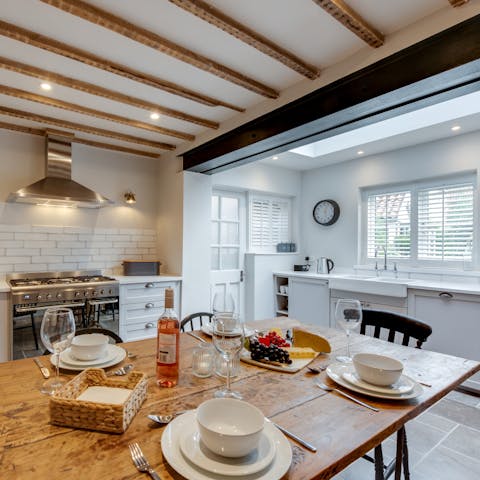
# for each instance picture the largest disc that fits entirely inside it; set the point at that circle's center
(129, 197)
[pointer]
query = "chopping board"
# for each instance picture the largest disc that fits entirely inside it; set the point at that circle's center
(296, 365)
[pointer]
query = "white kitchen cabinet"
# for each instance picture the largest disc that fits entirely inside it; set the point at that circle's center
(309, 300)
(141, 304)
(454, 318)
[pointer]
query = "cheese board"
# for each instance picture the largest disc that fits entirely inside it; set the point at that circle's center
(296, 365)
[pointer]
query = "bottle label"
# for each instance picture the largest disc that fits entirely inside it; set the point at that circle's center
(167, 348)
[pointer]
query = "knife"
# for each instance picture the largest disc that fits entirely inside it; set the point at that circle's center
(45, 371)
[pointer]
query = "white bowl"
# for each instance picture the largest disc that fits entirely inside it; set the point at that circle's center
(89, 346)
(377, 369)
(229, 427)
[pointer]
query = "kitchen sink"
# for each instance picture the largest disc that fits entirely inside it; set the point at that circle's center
(354, 277)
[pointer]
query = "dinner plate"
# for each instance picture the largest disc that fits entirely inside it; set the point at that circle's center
(67, 357)
(197, 453)
(207, 329)
(120, 354)
(403, 385)
(170, 443)
(335, 371)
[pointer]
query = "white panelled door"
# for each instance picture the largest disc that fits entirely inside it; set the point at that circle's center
(228, 246)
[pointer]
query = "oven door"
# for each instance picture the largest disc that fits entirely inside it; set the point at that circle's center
(26, 321)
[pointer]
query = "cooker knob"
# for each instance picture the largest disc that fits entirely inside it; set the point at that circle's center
(59, 295)
(39, 297)
(85, 293)
(77, 294)
(94, 293)
(49, 296)
(102, 292)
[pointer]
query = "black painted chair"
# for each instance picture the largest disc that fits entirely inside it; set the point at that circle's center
(374, 323)
(190, 320)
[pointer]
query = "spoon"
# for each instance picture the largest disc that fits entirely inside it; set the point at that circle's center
(122, 370)
(164, 419)
(317, 369)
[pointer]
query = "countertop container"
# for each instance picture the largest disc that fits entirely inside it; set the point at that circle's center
(138, 267)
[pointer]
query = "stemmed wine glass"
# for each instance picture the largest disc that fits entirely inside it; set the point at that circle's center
(57, 331)
(348, 314)
(228, 336)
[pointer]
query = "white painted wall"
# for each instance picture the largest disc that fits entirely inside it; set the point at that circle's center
(342, 183)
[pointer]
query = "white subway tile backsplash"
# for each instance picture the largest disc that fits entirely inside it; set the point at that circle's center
(30, 236)
(40, 248)
(31, 267)
(12, 252)
(56, 251)
(15, 228)
(39, 244)
(15, 260)
(71, 244)
(47, 228)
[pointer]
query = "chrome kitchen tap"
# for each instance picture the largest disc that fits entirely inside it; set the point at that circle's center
(384, 257)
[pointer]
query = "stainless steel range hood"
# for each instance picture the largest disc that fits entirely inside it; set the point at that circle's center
(57, 188)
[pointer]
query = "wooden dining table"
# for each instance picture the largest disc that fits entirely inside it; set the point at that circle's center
(342, 431)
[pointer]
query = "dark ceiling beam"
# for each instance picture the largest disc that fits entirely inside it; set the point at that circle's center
(437, 64)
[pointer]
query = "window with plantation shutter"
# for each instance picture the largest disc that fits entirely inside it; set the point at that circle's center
(389, 225)
(269, 223)
(445, 223)
(424, 223)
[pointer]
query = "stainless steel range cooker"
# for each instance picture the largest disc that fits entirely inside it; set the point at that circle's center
(86, 292)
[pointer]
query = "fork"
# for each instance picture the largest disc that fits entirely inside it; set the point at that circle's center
(141, 462)
(353, 399)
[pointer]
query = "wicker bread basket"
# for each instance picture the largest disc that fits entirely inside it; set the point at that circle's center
(67, 411)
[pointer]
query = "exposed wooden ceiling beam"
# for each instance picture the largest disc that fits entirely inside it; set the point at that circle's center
(457, 3)
(146, 37)
(33, 117)
(92, 89)
(59, 48)
(108, 146)
(73, 107)
(215, 17)
(353, 21)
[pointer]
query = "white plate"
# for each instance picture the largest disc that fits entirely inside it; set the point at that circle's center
(403, 385)
(336, 370)
(120, 354)
(67, 357)
(197, 453)
(172, 453)
(207, 329)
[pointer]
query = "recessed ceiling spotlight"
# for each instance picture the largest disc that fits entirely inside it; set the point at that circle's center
(275, 158)
(154, 116)
(45, 86)
(455, 128)
(360, 152)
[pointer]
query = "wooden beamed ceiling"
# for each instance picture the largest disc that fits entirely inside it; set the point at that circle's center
(186, 108)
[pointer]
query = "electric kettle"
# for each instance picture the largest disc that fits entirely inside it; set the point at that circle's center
(325, 265)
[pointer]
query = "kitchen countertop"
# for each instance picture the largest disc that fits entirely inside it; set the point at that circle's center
(4, 286)
(124, 279)
(396, 287)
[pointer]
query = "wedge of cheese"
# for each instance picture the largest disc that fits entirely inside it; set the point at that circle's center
(302, 338)
(301, 352)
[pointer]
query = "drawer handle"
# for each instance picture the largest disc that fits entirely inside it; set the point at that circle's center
(149, 325)
(149, 285)
(445, 295)
(149, 305)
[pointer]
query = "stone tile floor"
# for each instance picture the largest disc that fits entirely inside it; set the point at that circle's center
(443, 443)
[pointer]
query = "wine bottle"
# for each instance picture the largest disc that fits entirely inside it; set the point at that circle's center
(168, 335)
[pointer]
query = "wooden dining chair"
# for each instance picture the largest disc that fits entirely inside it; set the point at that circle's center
(375, 323)
(189, 320)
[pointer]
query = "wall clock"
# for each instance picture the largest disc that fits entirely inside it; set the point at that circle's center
(326, 212)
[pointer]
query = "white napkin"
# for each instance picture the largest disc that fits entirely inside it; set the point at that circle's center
(110, 395)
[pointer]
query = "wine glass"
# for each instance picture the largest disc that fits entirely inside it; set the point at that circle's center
(228, 336)
(348, 314)
(57, 331)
